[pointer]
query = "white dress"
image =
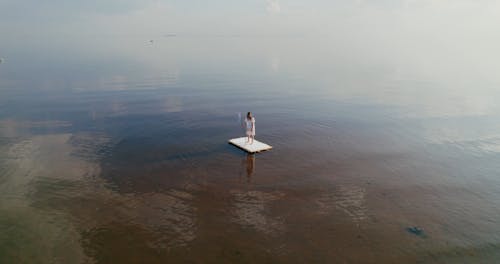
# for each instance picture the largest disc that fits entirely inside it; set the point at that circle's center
(250, 125)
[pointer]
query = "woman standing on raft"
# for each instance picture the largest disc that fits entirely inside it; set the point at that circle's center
(250, 127)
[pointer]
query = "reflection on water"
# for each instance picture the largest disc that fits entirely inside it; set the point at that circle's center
(248, 165)
(128, 162)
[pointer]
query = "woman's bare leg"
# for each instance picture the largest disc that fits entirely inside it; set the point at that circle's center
(252, 139)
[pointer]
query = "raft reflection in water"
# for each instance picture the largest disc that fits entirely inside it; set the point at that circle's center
(248, 164)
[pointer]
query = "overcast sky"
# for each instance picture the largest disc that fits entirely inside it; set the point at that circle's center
(253, 17)
(461, 34)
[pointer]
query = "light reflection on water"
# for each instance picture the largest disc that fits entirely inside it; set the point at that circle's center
(130, 163)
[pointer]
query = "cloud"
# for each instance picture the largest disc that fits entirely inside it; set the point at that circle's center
(273, 6)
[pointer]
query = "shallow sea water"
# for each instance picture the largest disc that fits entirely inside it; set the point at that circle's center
(117, 153)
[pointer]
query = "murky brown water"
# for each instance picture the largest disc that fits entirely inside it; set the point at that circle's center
(131, 164)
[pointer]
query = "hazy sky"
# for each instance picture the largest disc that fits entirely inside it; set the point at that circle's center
(452, 37)
(252, 17)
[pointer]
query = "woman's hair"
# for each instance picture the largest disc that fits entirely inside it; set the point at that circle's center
(249, 115)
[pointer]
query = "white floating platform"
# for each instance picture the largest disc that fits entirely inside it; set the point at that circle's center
(256, 146)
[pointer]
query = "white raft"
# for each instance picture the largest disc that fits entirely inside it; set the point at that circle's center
(255, 147)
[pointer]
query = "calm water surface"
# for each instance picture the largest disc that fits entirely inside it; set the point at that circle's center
(115, 150)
